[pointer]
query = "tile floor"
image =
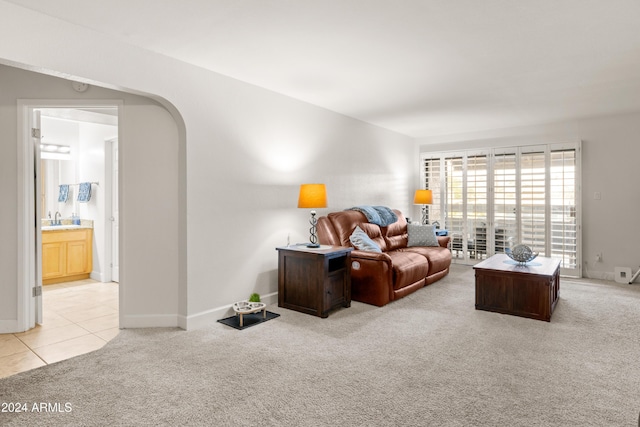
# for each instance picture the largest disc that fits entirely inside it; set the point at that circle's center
(78, 317)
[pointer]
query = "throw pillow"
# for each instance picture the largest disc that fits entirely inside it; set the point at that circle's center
(421, 235)
(362, 241)
(375, 234)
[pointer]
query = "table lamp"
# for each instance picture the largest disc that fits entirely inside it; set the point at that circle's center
(313, 196)
(424, 198)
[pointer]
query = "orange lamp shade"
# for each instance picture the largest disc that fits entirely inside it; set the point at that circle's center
(423, 197)
(312, 196)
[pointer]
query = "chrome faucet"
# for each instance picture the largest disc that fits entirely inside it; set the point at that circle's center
(56, 221)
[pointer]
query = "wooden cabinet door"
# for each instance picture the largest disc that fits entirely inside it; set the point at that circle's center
(76, 257)
(53, 260)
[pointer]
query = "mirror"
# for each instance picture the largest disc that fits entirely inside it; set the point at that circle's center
(49, 169)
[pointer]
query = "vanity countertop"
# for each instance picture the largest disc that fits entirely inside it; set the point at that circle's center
(64, 227)
(66, 224)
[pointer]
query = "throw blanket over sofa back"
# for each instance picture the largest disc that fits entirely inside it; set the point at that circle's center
(378, 215)
(378, 278)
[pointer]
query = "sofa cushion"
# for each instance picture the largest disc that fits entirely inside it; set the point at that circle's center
(421, 235)
(374, 232)
(395, 235)
(362, 241)
(439, 258)
(408, 268)
(326, 233)
(344, 223)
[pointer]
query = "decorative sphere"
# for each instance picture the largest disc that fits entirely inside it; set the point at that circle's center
(521, 253)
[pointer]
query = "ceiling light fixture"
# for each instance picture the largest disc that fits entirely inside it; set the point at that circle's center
(55, 152)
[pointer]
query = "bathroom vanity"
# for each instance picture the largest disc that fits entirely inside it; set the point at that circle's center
(67, 253)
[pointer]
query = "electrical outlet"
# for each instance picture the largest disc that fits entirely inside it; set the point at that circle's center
(599, 257)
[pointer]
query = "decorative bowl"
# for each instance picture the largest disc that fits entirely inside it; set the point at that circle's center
(522, 254)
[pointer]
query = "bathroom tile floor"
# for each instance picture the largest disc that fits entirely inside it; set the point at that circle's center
(78, 317)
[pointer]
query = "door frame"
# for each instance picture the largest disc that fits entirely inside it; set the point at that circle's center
(28, 221)
(108, 209)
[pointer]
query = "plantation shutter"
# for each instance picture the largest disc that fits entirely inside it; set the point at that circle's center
(433, 182)
(454, 203)
(533, 201)
(505, 203)
(564, 200)
(491, 199)
(476, 212)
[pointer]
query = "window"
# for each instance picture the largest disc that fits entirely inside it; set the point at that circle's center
(532, 214)
(494, 198)
(504, 199)
(432, 179)
(477, 196)
(454, 207)
(563, 207)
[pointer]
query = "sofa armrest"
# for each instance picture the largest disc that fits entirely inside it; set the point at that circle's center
(444, 241)
(366, 255)
(371, 277)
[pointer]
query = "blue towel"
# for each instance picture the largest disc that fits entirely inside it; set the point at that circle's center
(64, 193)
(379, 215)
(84, 193)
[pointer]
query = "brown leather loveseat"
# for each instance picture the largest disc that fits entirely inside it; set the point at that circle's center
(398, 270)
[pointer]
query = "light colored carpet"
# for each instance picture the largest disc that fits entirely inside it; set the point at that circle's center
(429, 359)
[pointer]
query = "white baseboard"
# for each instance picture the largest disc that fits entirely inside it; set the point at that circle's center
(96, 275)
(206, 318)
(149, 321)
(194, 321)
(10, 327)
(600, 275)
(182, 322)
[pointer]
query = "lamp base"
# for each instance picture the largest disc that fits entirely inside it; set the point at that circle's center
(425, 215)
(313, 238)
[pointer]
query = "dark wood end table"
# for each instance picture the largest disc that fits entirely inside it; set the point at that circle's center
(314, 281)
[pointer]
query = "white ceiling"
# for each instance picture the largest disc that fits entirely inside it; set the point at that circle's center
(419, 67)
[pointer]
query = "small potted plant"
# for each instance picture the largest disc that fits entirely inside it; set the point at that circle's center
(254, 297)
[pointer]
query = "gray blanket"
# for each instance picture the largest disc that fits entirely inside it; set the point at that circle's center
(379, 215)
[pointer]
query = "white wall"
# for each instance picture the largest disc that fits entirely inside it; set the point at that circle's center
(139, 114)
(8, 209)
(91, 168)
(243, 153)
(610, 153)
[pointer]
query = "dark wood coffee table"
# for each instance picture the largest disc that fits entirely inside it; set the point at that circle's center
(530, 290)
